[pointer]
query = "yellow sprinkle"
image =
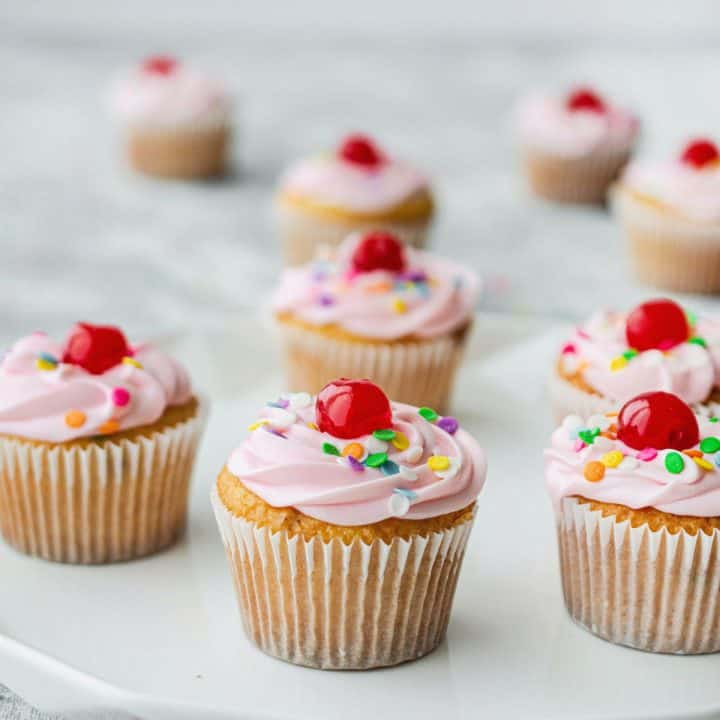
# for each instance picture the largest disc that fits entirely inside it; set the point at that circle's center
(618, 363)
(45, 364)
(132, 361)
(354, 449)
(611, 414)
(400, 441)
(703, 463)
(313, 426)
(109, 427)
(438, 463)
(612, 459)
(399, 306)
(75, 418)
(257, 425)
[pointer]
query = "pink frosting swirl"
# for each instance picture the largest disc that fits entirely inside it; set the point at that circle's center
(688, 370)
(431, 298)
(640, 480)
(333, 182)
(692, 192)
(283, 462)
(544, 122)
(34, 403)
(180, 98)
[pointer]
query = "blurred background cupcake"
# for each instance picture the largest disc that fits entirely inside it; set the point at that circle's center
(377, 309)
(574, 146)
(670, 212)
(177, 121)
(97, 446)
(352, 514)
(358, 187)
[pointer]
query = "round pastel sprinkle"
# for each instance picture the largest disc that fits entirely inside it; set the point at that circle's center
(703, 463)
(413, 453)
(647, 454)
(109, 427)
(409, 494)
(428, 413)
(594, 471)
(75, 418)
(618, 363)
(674, 463)
(354, 464)
(407, 473)
(399, 306)
(691, 318)
(710, 445)
(630, 354)
(330, 449)
(438, 463)
(326, 300)
(386, 434)
(400, 441)
(717, 459)
(588, 436)
(698, 341)
(612, 459)
(120, 396)
(376, 459)
(257, 425)
(132, 362)
(46, 361)
(374, 445)
(568, 349)
(449, 424)
(399, 505)
(579, 445)
(313, 426)
(354, 450)
(713, 419)
(390, 468)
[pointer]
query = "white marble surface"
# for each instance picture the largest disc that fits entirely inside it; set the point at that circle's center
(83, 238)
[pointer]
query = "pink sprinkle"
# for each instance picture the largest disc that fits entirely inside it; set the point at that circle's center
(581, 333)
(647, 454)
(120, 396)
(579, 445)
(568, 349)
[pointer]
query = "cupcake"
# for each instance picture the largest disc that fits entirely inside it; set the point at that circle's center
(615, 356)
(637, 502)
(345, 520)
(358, 187)
(97, 443)
(573, 147)
(177, 120)
(396, 315)
(670, 212)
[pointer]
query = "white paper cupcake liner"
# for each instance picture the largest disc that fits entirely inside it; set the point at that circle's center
(306, 237)
(650, 590)
(99, 504)
(342, 607)
(420, 372)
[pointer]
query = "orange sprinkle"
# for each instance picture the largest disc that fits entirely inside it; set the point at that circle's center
(693, 453)
(609, 435)
(354, 449)
(109, 427)
(611, 414)
(594, 471)
(379, 287)
(613, 428)
(313, 426)
(75, 418)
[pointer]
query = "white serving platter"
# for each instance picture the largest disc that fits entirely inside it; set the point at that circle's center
(161, 637)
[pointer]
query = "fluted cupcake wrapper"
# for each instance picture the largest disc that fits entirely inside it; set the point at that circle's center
(647, 589)
(418, 372)
(305, 235)
(99, 504)
(342, 607)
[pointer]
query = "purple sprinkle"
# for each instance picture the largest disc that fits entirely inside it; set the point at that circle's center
(415, 276)
(274, 432)
(355, 465)
(449, 424)
(326, 300)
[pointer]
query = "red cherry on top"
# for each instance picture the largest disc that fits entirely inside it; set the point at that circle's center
(352, 408)
(361, 150)
(658, 420)
(96, 348)
(160, 65)
(656, 325)
(584, 99)
(378, 250)
(700, 153)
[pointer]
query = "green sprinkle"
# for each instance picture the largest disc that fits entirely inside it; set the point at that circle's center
(387, 434)
(428, 413)
(588, 436)
(376, 459)
(674, 463)
(330, 449)
(713, 419)
(698, 341)
(630, 354)
(691, 318)
(710, 445)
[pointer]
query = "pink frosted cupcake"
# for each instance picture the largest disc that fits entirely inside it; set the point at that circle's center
(396, 315)
(97, 444)
(671, 214)
(177, 120)
(615, 356)
(574, 146)
(358, 187)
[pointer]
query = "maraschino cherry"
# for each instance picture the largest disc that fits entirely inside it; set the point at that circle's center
(352, 408)
(700, 153)
(378, 250)
(361, 150)
(96, 348)
(658, 420)
(656, 325)
(585, 100)
(160, 65)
